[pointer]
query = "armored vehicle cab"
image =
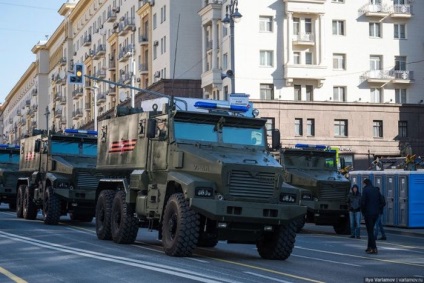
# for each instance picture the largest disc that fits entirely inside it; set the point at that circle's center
(62, 176)
(197, 178)
(9, 167)
(314, 169)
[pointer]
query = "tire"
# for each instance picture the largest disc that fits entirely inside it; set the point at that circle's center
(29, 209)
(343, 227)
(20, 201)
(279, 243)
(12, 204)
(180, 227)
(51, 207)
(104, 215)
(124, 224)
(300, 223)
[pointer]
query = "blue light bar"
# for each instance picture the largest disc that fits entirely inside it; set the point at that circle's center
(9, 146)
(214, 105)
(75, 131)
(315, 146)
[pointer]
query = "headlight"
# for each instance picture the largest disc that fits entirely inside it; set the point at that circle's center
(285, 197)
(203, 192)
(61, 184)
(307, 196)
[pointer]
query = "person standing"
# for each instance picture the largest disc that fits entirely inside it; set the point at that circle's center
(370, 207)
(378, 224)
(354, 202)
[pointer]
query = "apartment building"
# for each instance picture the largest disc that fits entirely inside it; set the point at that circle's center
(338, 72)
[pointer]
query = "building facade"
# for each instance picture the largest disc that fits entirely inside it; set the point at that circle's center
(336, 72)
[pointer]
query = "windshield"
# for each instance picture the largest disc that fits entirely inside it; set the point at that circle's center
(9, 158)
(209, 133)
(73, 148)
(310, 160)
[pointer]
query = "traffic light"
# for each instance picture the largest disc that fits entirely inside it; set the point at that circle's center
(78, 77)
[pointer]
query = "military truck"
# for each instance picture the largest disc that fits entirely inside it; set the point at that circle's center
(9, 167)
(59, 176)
(325, 191)
(195, 177)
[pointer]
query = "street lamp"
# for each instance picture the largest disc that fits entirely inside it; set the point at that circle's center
(132, 73)
(232, 16)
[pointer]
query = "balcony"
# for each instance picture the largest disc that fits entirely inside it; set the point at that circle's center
(111, 91)
(111, 16)
(34, 92)
(126, 25)
(18, 113)
(143, 68)
(63, 121)
(143, 39)
(58, 113)
(375, 10)
(87, 84)
(402, 77)
(76, 114)
(27, 103)
(211, 78)
(34, 124)
(305, 6)
(101, 98)
(304, 39)
(125, 53)
(62, 61)
(22, 121)
(87, 40)
(77, 93)
(99, 52)
(377, 76)
(87, 106)
(101, 74)
(301, 73)
(112, 65)
(401, 11)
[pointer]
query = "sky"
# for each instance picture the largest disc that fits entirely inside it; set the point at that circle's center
(23, 23)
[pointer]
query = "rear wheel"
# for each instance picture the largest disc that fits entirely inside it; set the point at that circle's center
(104, 215)
(180, 227)
(20, 201)
(279, 243)
(124, 224)
(29, 210)
(300, 223)
(51, 207)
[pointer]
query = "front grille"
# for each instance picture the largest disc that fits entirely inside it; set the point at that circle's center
(333, 190)
(258, 185)
(87, 180)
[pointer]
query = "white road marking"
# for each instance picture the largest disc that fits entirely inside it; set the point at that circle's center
(267, 277)
(326, 260)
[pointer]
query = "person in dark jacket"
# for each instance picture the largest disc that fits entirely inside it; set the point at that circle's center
(370, 207)
(378, 224)
(354, 202)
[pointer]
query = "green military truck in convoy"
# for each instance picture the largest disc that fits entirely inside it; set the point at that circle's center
(196, 177)
(59, 176)
(313, 168)
(9, 167)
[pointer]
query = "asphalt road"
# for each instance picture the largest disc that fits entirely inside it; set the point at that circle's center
(31, 251)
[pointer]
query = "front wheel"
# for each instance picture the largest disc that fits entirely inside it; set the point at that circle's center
(279, 243)
(180, 227)
(104, 214)
(29, 208)
(20, 201)
(51, 207)
(124, 224)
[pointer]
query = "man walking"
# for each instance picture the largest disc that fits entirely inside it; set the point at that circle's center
(370, 207)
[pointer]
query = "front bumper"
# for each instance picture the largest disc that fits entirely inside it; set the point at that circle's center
(76, 195)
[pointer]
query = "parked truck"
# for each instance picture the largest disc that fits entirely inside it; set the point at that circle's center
(195, 177)
(59, 176)
(9, 167)
(313, 168)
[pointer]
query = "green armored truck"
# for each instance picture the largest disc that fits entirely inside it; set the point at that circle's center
(59, 176)
(9, 167)
(196, 177)
(313, 168)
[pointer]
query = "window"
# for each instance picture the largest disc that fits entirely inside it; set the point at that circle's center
(375, 63)
(375, 95)
(296, 58)
(403, 129)
(340, 128)
(296, 26)
(267, 91)
(154, 21)
(298, 130)
(338, 27)
(297, 92)
(310, 127)
(308, 25)
(400, 31)
(339, 62)
(265, 24)
(339, 93)
(163, 14)
(400, 95)
(308, 58)
(377, 128)
(375, 30)
(400, 63)
(309, 93)
(155, 52)
(266, 58)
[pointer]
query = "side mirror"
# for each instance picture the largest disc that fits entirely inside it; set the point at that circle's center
(37, 146)
(151, 128)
